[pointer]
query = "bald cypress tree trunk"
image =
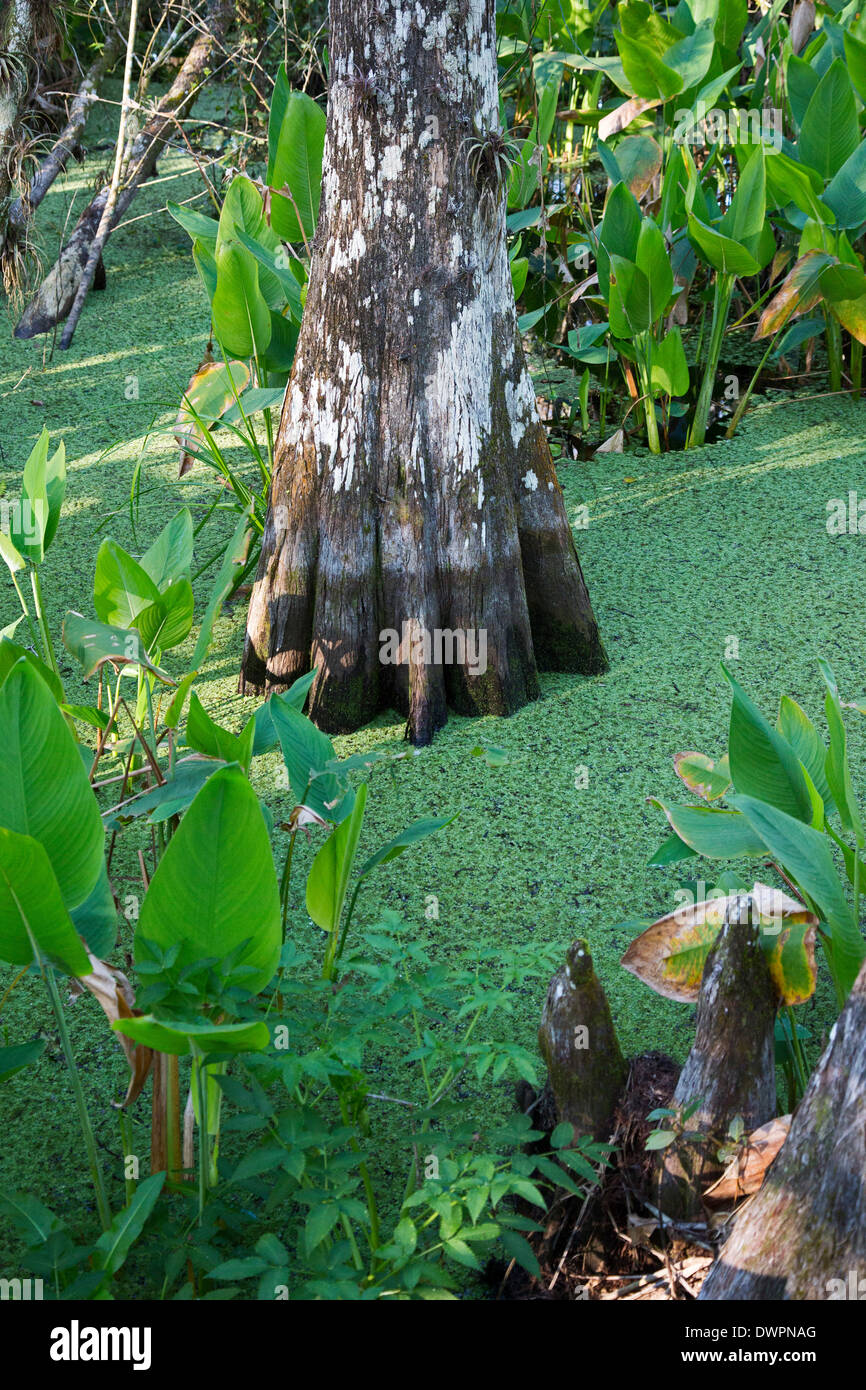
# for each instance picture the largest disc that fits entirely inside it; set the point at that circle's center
(414, 492)
(803, 1236)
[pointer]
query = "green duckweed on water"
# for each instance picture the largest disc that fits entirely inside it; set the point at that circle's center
(687, 557)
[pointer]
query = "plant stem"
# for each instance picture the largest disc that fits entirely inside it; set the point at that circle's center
(652, 424)
(856, 367)
(48, 646)
(201, 1088)
(744, 399)
(834, 350)
(721, 308)
(25, 610)
(345, 930)
(78, 1091)
(797, 1052)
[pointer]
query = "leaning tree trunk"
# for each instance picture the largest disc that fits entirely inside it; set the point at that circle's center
(56, 294)
(414, 490)
(16, 47)
(803, 1236)
(66, 146)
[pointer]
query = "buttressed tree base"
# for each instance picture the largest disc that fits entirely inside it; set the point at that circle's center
(414, 489)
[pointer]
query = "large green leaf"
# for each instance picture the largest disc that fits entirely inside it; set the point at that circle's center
(43, 486)
(18, 1056)
(763, 763)
(804, 853)
(296, 165)
(276, 263)
(93, 644)
(797, 728)
(802, 79)
(838, 771)
(241, 315)
(418, 830)
(846, 192)
(619, 232)
(306, 752)
(630, 302)
(670, 371)
(229, 573)
(296, 696)
(121, 588)
(215, 886)
(173, 795)
(328, 879)
(790, 182)
(643, 41)
(10, 653)
(711, 831)
(208, 737)
(33, 917)
(195, 223)
(243, 219)
(279, 102)
(744, 220)
(721, 252)
(653, 259)
(167, 622)
(46, 792)
(830, 132)
(180, 1037)
(95, 919)
(691, 56)
(114, 1245)
(170, 557)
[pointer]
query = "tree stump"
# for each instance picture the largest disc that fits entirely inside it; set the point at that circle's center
(803, 1236)
(585, 1066)
(731, 1067)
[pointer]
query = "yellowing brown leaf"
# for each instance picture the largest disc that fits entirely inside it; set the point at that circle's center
(798, 292)
(212, 389)
(702, 775)
(745, 1173)
(670, 955)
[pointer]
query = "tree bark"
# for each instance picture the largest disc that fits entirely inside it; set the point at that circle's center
(803, 1236)
(731, 1068)
(16, 44)
(414, 491)
(56, 294)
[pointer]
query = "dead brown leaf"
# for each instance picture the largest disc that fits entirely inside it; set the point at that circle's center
(117, 998)
(746, 1173)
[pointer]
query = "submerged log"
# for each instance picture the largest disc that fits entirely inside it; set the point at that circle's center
(803, 1236)
(731, 1067)
(55, 296)
(585, 1066)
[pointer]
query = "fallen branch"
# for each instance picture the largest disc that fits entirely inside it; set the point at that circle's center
(103, 231)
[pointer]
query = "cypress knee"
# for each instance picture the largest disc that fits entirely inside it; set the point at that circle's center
(577, 1038)
(731, 1067)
